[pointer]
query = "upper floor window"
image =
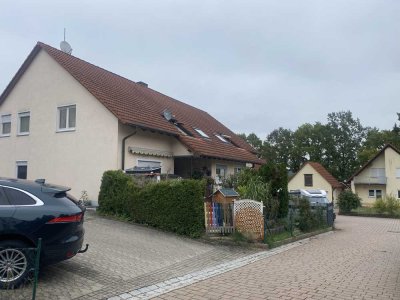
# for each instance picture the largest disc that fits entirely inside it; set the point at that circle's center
(5, 125)
(308, 180)
(377, 172)
(201, 132)
(66, 118)
(24, 119)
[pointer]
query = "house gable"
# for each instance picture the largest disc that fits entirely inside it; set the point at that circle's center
(88, 150)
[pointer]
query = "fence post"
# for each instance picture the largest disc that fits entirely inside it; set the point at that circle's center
(37, 261)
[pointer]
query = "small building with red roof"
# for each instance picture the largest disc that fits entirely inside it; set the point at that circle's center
(312, 176)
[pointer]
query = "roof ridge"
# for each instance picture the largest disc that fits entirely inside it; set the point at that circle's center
(43, 46)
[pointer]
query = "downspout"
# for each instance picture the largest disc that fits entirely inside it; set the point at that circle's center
(123, 149)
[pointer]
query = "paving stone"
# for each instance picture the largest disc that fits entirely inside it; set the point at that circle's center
(358, 261)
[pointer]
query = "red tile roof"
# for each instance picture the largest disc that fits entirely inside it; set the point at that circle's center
(137, 105)
(324, 173)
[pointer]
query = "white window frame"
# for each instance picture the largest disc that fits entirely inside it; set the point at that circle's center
(397, 172)
(201, 132)
(237, 169)
(369, 196)
(2, 122)
(67, 128)
(21, 163)
(21, 115)
(375, 195)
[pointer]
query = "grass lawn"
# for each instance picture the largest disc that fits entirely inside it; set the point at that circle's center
(370, 211)
(283, 237)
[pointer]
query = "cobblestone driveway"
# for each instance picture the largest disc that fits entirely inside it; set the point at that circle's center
(361, 260)
(122, 257)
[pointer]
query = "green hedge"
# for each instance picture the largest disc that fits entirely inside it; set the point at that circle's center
(174, 205)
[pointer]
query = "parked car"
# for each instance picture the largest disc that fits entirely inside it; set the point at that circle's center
(30, 210)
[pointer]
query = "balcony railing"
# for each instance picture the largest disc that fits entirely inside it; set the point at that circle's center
(370, 180)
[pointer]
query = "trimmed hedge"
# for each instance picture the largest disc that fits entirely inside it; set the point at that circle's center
(174, 205)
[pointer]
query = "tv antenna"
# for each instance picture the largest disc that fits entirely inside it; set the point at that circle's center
(64, 46)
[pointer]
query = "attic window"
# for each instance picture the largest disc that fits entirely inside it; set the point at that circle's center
(201, 132)
(221, 138)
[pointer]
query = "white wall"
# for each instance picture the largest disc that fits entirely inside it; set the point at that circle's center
(76, 159)
(152, 141)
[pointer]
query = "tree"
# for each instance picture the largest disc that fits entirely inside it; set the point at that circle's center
(346, 139)
(276, 176)
(278, 146)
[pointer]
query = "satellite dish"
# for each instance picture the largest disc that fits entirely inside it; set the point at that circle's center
(65, 47)
(167, 114)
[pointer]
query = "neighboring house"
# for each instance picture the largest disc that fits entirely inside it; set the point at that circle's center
(312, 176)
(379, 177)
(66, 120)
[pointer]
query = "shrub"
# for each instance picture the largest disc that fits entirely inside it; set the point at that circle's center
(258, 190)
(380, 206)
(347, 201)
(115, 190)
(171, 205)
(306, 217)
(392, 204)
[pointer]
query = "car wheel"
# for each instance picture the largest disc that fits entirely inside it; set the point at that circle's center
(14, 264)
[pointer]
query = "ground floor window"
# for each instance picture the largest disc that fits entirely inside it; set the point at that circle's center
(375, 193)
(22, 169)
(398, 194)
(149, 163)
(237, 170)
(221, 171)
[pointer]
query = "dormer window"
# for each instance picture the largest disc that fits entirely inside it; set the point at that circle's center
(201, 132)
(221, 138)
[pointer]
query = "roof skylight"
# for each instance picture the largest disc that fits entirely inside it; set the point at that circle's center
(201, 132)
(221, 138)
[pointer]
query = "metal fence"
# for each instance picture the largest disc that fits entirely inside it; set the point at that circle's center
(19, 270)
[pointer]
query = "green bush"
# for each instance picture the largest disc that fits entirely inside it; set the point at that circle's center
(172, 205)
(380, 206)
(392, 205)
(388, 204)
(115, 190)
(347, 201)
(306, 217)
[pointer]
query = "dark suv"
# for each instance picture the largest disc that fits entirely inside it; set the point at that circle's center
(30, 210)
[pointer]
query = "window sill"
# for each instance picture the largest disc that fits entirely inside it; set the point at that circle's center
(4, 135)
(22, 133)
(65, 130)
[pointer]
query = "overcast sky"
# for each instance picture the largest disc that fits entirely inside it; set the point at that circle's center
(253, 65)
